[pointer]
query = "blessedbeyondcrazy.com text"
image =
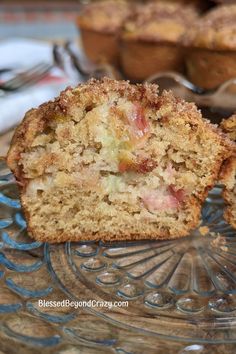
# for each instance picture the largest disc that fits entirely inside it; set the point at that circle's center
(82, 303)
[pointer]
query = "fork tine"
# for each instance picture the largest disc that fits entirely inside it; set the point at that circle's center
(32, 75)
(37, 76)
(19, 77)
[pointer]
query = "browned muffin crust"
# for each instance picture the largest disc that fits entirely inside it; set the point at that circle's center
(105, 16)
(77, 185)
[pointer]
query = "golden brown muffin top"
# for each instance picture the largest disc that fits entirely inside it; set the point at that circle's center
(215, 30)
(104, 16)
(159, 21)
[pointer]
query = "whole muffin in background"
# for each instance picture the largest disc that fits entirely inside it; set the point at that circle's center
(100, 24)
(151, 39)
(198, 4)
(224, 1)
(211, 56)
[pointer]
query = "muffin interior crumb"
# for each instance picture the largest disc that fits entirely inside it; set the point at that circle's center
(119, 167)
(109, 160)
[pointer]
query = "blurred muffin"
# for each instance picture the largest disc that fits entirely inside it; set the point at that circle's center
(150, 40)
(228, 177)
(198, 4)
(211, 58)
(225, 1)
(99, 25)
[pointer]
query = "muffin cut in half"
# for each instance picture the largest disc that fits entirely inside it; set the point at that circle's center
(228, 176)
(114, 161)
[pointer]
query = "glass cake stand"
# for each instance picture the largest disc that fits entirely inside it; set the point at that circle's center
(181, 294)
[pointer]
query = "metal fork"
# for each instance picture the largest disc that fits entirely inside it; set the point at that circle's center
(79, 62)
(220, 96)
(25, 79)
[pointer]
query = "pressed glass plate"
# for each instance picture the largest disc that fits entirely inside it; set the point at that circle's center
(181, 290)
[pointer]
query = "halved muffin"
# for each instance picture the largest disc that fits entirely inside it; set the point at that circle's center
(100, 24)
(151, 39)
(228, 177)
(114, 161)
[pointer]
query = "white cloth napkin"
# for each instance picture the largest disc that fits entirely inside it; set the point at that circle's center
(23, 54)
